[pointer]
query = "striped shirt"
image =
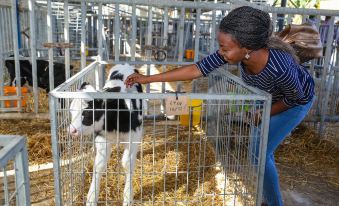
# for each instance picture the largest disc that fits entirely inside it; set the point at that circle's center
(282, 77)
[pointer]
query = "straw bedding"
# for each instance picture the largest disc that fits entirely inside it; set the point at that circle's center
(38, 137)
(162, 167)
(312, 155)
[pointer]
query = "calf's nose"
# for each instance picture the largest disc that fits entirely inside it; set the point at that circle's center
(73, 131)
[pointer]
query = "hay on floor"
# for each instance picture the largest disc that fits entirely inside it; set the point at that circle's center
(38, 133)
(161, 175)
(314, 156)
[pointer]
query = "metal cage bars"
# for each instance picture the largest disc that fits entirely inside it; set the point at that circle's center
(239, 93)
(13, 148)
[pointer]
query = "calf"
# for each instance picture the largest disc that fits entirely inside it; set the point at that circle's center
(42, 73)
(123, 118)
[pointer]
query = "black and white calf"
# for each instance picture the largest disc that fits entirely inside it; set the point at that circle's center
(42, 73)
(115, 121)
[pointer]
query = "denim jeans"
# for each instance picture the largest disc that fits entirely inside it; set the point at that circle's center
(280, 126)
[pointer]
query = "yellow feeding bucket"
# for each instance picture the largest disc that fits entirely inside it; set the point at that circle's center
(195, 107)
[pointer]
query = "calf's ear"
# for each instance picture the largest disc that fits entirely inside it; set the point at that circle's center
(83, 85)
(114, 89)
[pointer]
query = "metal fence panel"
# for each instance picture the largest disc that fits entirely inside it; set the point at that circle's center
(209, 156)
(14, 177)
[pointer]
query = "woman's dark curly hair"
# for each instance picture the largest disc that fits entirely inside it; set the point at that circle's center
(252, 29)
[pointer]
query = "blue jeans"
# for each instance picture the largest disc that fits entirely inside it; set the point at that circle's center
(280, 126)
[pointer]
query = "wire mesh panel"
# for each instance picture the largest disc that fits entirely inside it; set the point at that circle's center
(14, 180)
(213, 155)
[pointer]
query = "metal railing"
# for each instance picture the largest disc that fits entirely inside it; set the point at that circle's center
(14, 171)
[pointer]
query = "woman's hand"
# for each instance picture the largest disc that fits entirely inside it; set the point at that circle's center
(183, 73)
(257, 117)
(253, 118)
(136, 78)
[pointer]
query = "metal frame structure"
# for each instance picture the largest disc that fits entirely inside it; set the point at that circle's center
(231, 143)
(13, 155)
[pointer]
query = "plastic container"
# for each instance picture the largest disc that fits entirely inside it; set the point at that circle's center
(189, 54)
(11, 91)
(195, 106)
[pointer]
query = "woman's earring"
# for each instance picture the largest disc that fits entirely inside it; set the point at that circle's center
(247, 56)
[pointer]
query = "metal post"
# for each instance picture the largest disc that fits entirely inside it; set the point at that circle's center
(50, 40)
(134, 32)
(93, 27)
(66, 37)
(31, 5)
(16, 52)
(213, 32)
(83, 33)
(90, 31)
(22, 177)
(116, 33)
(2, 103)
(56, 163)
(18, 23)
(326, 72)
(197, 36)
(164, 44)
(281, 16)
(9, 30)
(263, 148)
(274, 21)
(317, 24)
(181, 34)
(196, 45)
(149, 43)
(165, 33)
(100, 35)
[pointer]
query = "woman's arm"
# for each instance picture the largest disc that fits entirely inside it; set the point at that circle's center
(278, 107)
(182, 73)
(193, 71)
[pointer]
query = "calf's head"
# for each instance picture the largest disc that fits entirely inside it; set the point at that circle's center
(87, 116)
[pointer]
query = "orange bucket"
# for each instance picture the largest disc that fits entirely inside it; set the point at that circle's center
(11, 91)
(189, 53)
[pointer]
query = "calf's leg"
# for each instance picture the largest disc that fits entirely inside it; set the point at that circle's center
(103, 153)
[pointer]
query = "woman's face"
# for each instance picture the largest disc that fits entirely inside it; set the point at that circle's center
(230, 49)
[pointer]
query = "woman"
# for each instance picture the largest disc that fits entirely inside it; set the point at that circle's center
(245, 36)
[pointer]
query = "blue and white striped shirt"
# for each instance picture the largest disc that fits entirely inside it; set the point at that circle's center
(282, 77)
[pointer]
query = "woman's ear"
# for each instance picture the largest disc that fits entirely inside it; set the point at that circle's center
(246, 50)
